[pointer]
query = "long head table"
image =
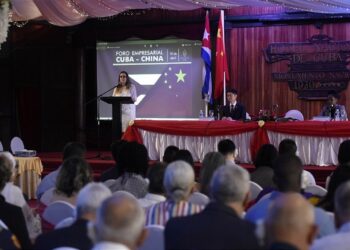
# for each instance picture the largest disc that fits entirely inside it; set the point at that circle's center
(318, 142)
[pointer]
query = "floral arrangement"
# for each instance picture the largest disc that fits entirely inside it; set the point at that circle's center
(4, 20)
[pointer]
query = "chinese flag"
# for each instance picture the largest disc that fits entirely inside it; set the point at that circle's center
(221, 62)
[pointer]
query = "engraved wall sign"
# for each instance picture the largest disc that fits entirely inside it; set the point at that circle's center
(315, 67)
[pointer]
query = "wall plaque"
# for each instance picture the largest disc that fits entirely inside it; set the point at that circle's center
(315, 67)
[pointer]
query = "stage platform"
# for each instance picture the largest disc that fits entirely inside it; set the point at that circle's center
(100, 161)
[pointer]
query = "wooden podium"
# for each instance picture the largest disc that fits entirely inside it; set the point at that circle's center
(116, 102)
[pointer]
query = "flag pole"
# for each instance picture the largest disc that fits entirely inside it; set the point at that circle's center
(224, 94)
(224, 47)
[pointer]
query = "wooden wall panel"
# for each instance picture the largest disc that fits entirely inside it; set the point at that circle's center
(251, 75)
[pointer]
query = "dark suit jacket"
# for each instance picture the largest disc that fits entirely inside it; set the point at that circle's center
(13, 217)
(238, 112)
(216, 227)
(73, 236)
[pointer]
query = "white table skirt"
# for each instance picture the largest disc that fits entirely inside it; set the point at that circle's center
(156, 144)
(320, 151)
(313, 150)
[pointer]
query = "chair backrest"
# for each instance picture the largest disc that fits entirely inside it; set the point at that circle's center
(16, 144)
(316, 190)
(199, 198)
(255, 190)
(294, 114)
(58, 211)
(1, 147)
(46, 197)
(65, 222)
(307, 179)
(155, 239)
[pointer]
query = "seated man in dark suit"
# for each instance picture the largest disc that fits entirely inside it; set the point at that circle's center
(233, 110)
(219, 225)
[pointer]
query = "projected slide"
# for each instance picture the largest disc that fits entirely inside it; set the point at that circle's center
(167, 74)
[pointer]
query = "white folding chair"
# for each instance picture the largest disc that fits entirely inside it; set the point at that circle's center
(46, 197)
(307, 179)
(294, 114)
(255, 190)
(16, 144)
(316, 190)
(65, 222)
(199, 198)
(58, 211)
(155, 239)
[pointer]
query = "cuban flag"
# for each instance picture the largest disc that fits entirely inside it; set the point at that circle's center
(207, 90)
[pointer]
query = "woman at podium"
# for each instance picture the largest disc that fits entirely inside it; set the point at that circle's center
(126, 88)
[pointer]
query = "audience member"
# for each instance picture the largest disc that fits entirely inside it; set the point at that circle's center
(228, 148)
(178, 184)
(184, 155)
(340, 240)
(219, 225)
(290, 223)
(169, 154)
(339, 176)
(71, 149)
(116, 171)
(120, 224)
(89, 200)
(211, 162)
(13, 195)
(10, 214)
(74, 174)
(343, 157)
(155, 175)
(287, 178)
(263, 173)
(289, 147)
(344, 153)
(134, 161)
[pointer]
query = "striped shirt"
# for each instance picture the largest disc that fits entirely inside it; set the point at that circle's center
(160, 213)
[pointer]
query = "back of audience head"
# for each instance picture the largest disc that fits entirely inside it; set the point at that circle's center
(120, 219)
(9, 166)
(74, 149)
(184, 155)
(116, 147)
(178, 180)
(211, 162)
(266, 155)
(226, 147)
(90, 198)
(74, 174)
(291, 220)
(133, 158)
(287, 173)
(287, 147)
(170, 153)
(344, 153)
(339, 176)
(155, 175)
(342, 204)
(5, 171)
(230, 184)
